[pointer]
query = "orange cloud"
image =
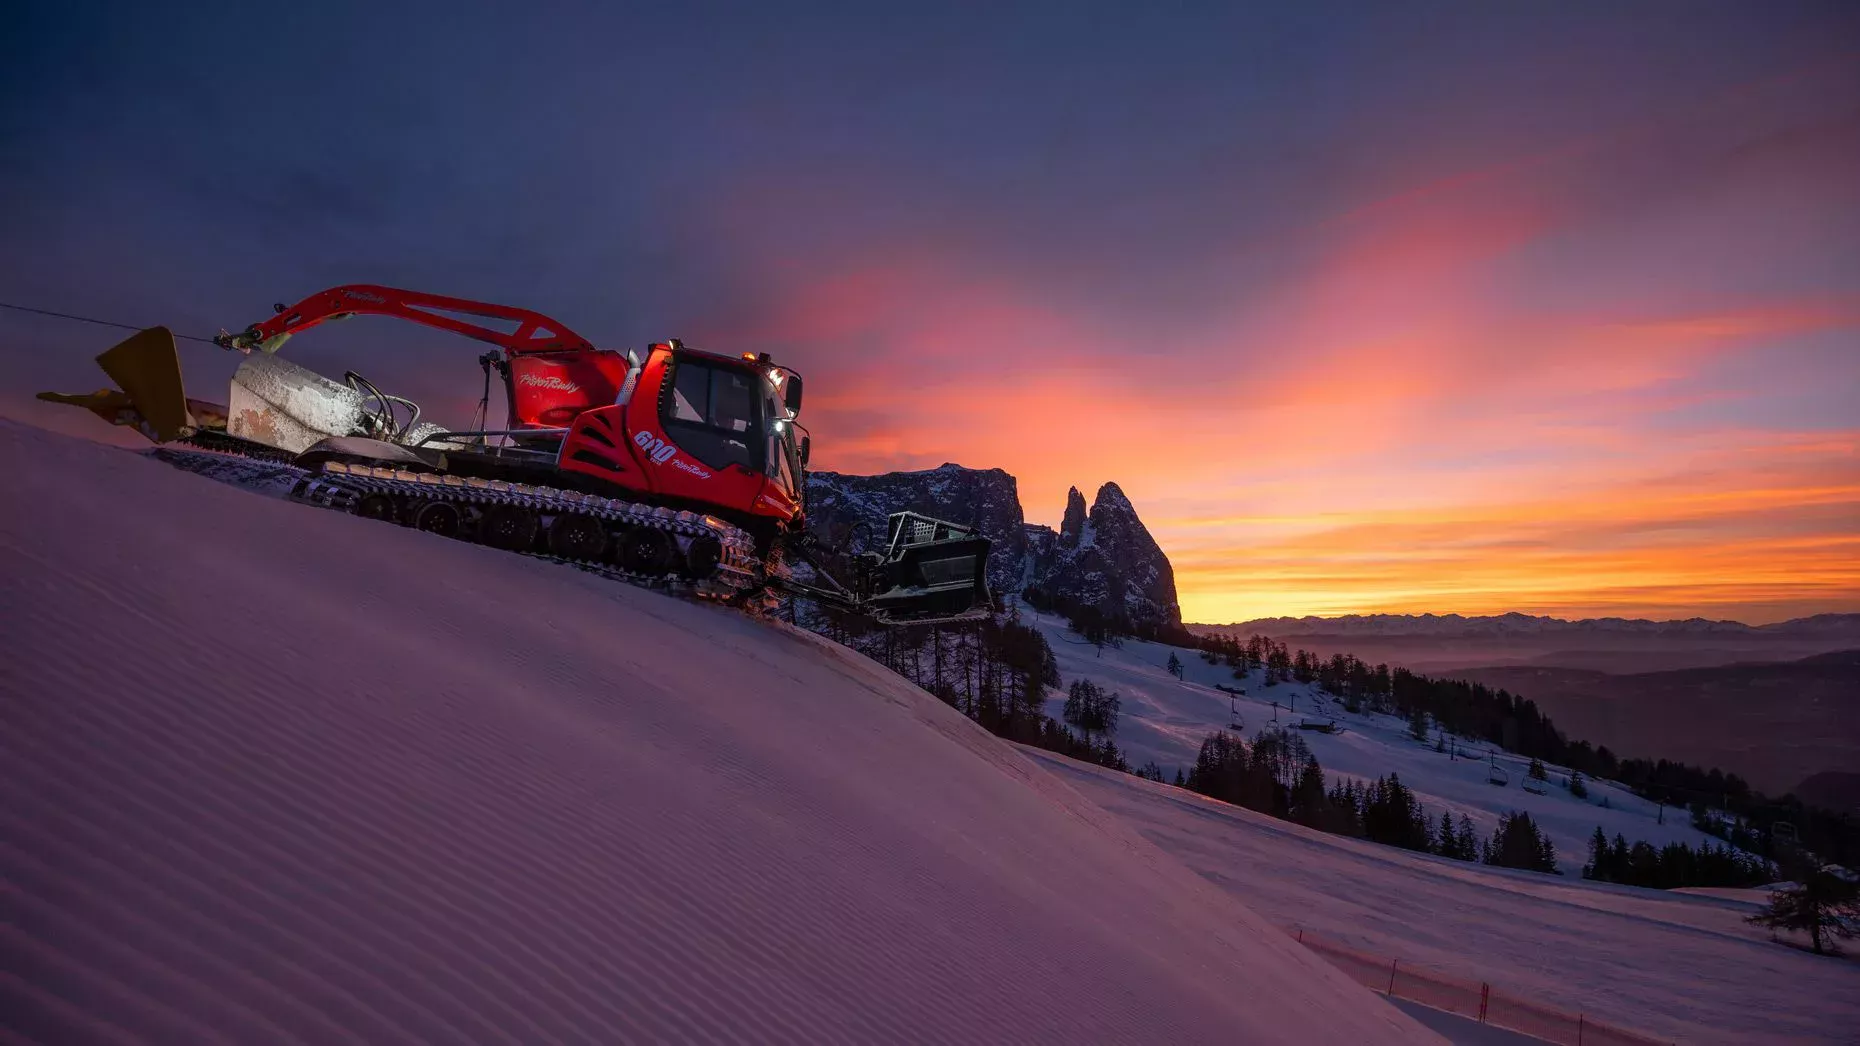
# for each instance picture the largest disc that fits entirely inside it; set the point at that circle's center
(1415, 405)
(1773, 535)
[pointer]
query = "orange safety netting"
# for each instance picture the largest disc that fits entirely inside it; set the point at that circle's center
(1473, 999)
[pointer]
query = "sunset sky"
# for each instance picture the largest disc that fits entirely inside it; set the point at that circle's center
(1467, 307)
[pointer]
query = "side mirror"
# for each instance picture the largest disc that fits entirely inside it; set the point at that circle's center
(793, 398)
(807, 444)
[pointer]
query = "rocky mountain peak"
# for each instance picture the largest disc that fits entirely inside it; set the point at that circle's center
(1112, 498)
(1072, 528)
(1107, 560)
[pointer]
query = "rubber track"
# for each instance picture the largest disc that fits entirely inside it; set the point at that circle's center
(342, 487)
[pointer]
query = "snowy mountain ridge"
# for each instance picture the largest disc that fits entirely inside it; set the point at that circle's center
(1527, 624)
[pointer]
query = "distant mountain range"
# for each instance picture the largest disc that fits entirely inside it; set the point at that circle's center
(1783, 726)
(1456, 624)
(1445, 642)
(1832, 790)
(1776, 704)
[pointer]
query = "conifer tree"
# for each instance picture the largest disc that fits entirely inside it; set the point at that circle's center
(1518, 844)
(1308, 802)
(1175, 665)
(1089, 708)
(1825, 906)
(1220, 768)
(1107, 712)
(1079, 699)
(1597, 868)
(1468, 842)
(1446, 843)
(1392, 815)
(1643, 866)
(1278, 665)
(1673, 865)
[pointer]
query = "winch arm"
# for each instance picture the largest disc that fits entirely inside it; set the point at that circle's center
(535, 332)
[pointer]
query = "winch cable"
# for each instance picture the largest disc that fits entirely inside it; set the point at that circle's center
(92, 319)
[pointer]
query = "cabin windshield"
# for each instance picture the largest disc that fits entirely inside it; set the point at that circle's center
(712, 413)
(713, 396)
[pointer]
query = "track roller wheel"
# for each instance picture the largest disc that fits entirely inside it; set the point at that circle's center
(702, 557)
(646, 550)
(577, 537)
(378, 506)
(509, 527)
(438, 517)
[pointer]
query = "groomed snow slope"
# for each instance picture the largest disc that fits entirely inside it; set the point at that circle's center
(1165, 719)
(273, 774)
(1667, 963)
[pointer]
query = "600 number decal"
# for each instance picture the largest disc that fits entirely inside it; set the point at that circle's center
(657, 449)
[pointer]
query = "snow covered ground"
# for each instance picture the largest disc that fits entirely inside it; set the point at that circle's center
(1665, 963)
(272, 774)
(1165, 720)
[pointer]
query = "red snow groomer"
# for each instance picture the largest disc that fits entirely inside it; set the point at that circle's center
(667, 464)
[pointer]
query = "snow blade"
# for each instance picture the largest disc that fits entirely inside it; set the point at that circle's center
(152, 400)
(931, 570)
(147, 367)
